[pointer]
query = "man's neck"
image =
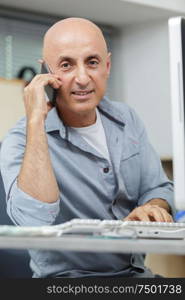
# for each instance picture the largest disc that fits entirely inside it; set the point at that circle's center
(78, 120)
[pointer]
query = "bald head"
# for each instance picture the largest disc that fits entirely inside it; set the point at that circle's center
(72, 29)
(75, 50)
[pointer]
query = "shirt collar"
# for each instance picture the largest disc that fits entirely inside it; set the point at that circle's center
(54, 123)
(108, 108)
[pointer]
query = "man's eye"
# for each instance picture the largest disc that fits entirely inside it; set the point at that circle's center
(93, 63)
(65, 65)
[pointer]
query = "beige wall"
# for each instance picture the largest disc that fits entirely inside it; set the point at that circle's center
(11, 104)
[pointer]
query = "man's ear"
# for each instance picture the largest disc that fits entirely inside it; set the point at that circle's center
(108, 63)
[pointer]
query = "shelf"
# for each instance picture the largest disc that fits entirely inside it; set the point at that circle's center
(110, 12)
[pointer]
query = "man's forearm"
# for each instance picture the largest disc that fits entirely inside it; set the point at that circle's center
(36, 176)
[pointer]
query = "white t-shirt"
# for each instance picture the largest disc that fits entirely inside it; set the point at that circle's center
(95, 136)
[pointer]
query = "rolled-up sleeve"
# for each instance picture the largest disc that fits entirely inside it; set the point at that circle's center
(27, 211)
(23, 209)
(154, 182)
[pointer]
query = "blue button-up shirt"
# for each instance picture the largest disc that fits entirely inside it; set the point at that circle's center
(134, 177)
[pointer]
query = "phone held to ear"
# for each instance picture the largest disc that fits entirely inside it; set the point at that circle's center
(51, 93)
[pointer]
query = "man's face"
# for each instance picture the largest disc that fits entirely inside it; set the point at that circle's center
(84, 66)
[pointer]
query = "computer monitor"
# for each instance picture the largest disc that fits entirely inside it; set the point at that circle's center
(176, 28)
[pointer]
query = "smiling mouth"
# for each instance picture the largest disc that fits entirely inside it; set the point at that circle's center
(82, 93)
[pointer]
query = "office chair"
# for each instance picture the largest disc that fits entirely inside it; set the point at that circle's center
(13, 263)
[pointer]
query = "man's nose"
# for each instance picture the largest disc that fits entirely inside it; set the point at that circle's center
(82, 77)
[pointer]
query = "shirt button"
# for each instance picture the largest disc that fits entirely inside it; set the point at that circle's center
(105, 170)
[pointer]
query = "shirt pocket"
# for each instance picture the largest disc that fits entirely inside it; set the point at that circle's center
(130, 170)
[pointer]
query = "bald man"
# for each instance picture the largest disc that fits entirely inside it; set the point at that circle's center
(83, 157)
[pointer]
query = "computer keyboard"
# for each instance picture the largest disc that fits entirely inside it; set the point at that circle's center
(159, 230)
(102, 228)
(118, 228)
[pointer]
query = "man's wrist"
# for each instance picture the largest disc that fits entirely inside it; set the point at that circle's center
(161, 203)
(35, 122)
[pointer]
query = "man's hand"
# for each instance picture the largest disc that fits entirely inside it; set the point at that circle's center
(154, 210)
(34, 96)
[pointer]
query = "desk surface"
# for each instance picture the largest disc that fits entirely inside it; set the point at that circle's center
(95, 244)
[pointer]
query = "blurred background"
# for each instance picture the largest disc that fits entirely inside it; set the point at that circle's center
(137, 35)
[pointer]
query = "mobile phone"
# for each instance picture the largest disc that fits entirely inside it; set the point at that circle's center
(51, 93)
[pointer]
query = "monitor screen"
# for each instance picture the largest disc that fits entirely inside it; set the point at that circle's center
(176, 28)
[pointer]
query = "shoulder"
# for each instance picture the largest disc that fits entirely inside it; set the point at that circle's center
(15, 137)
(128, 115)
(126, 110)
